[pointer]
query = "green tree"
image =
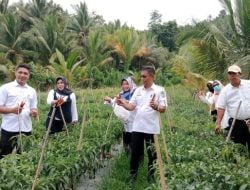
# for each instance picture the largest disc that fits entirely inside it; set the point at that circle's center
(3, 6)
(67, 67)
(165, 33)
(13, 39)
(48, 36)
(79, 25)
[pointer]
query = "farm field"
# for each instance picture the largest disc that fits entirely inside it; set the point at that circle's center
(197, 158)
(66, 156)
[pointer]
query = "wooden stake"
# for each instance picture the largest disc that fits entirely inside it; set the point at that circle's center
(81, 132)
(20, 131)
(160, 163)
(164, 141)
(38, 170)
(64, 122)
(232, 125)
(169, 119)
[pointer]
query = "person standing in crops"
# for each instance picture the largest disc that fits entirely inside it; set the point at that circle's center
(62, 98)
(208, 99)
(231, 95)
(18, 103)
(128, 87)
(149, 100)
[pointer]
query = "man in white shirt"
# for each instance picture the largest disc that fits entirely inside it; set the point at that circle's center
(18, 103)
(149, 101)
(231, 95)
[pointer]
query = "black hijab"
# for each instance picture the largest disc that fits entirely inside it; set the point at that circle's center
(66, 90)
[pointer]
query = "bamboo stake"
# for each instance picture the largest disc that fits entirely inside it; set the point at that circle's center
(106, 133)
(231, 128)
(160, 163)
(38, 102)
(173, 91)
(64, 122)
(81, 132)
(169, 119)
(164, 141)
(19, 126)
(169, 116)
(83, 100)
(95, 99)
(38, 170)
(110, 117)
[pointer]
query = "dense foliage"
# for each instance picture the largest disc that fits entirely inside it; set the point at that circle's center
(92, 53)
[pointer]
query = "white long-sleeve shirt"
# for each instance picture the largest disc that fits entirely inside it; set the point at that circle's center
(74, 113)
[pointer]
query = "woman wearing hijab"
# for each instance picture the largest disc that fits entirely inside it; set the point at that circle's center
(128, 87)
(211, 97)
(62, 97)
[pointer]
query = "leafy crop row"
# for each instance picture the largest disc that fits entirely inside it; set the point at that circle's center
(62, 162)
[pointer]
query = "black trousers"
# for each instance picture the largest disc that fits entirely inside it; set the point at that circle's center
(137, 154)
(9, 141)
(56, 126)
(127, 138)
(240, 133)
(214, 115)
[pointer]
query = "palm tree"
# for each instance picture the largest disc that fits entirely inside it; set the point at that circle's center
(210, 50)
(98, 60)
(4, 6)
(12, 41)
(127, 47)
(48, 36)
(240, 24)
(68, 68)
(80, 24)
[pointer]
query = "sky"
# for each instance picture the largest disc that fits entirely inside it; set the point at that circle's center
(136, 13)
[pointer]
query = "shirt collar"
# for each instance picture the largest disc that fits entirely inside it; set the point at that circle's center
(16, 84)
(151, 87)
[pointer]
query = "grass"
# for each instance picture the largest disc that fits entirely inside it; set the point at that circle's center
(118, 176)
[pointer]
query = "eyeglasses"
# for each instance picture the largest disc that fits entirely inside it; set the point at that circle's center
(144, 76)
